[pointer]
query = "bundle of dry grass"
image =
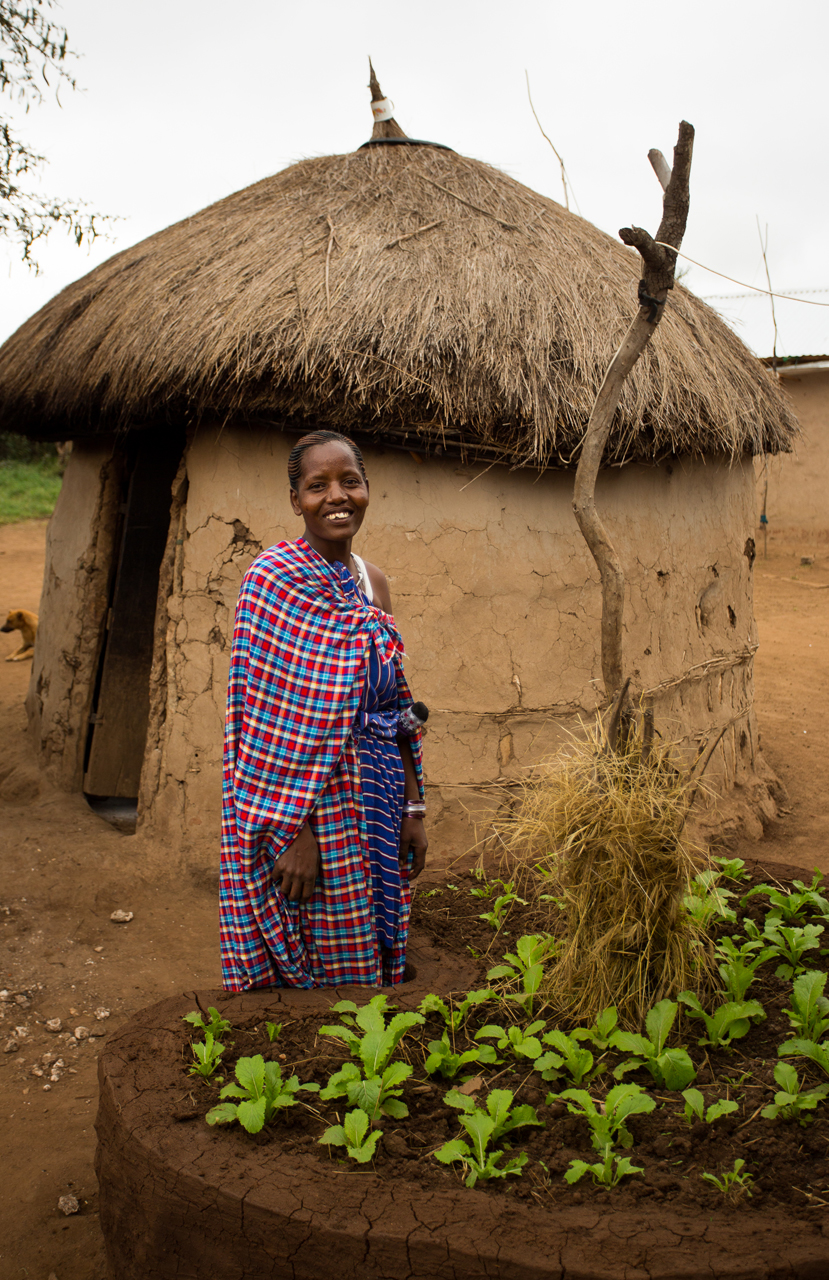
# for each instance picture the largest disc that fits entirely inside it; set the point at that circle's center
(401, 291)
(600, 833)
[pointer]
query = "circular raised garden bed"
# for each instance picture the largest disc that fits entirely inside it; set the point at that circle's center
(182, 1199)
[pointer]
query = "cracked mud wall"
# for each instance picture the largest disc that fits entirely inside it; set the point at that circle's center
(498, 601)
(73, 605)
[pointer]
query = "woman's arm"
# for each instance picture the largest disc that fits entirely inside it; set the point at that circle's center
(412, 830)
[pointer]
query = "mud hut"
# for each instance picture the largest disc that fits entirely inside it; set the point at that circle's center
(793, 490)
(458, 325)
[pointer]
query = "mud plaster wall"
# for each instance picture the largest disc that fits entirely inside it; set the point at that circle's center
(73, 605)
(498, 601)
(798, 495)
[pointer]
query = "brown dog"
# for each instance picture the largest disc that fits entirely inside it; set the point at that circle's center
(26, 623)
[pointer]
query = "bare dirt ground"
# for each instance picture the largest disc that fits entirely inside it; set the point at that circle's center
(63, 872)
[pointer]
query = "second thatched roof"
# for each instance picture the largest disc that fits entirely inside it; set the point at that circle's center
(402, 291)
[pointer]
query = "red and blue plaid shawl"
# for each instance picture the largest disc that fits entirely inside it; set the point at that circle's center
(298, 666)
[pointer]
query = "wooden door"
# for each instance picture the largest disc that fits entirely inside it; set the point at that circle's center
(121, 707)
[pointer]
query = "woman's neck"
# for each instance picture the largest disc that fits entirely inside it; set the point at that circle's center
(330, 551)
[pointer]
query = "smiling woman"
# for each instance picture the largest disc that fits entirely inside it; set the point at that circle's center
(323, 808)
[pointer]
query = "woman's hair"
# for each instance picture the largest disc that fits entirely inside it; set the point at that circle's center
(311, 441)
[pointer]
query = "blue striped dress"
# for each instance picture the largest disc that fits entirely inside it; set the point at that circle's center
(382, 783)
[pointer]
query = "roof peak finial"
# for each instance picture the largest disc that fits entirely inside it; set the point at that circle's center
(385, 125)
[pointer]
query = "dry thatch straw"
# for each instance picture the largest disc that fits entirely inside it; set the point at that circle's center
(603, 832)
(402, 291)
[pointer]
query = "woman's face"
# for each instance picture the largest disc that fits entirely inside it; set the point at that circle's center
(331, 496)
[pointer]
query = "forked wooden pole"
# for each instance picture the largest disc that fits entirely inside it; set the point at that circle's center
(658, 277)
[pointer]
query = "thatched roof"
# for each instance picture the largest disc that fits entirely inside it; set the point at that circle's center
(402, 291)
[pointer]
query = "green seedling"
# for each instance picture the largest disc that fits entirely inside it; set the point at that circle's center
(353, 1134)
(790, 944)
(376, 1094)
(566, 1053)
(786, 906)
(262, 1094)
(737, 977)
(792, 1103)
(670, 1068)
(377, 1088)
(732, 868)
(378, 1042)
(695, 1107)
(731, 1021)
(443, 1059)
(273, 1029)
(602, 1030)
(819, 1053)
(500, 907)
(707, 901)
(217, 1026)
(484, 1128)
(809, 1010)
(525, 965)
(734, 1184)
(607, 1119)
(518, 1041)
(206, 1057)
(607, 1172)
(454, 1017)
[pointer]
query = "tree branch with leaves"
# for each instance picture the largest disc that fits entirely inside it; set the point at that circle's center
(33, 55)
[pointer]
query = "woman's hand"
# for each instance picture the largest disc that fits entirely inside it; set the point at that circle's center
(295, 872)
(412, 836)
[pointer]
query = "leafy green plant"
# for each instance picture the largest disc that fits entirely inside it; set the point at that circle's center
(708, 901)
(565, 1052)
(377, 1093)
(360, 1145)
(500, 907)
(444, 1060)
(799, 1048)
(737, 977)
(453, 1016)
(809, 1010)
(518, 1041)
(732, 868)
(607, 1119)
(486, 1127)
(379, 1041)
(206, 1057)
(525, 965)
(377, 1088)
(731, 1021)
(695, 1107)
(734, 1184)
(741, 962)
(602, 1029)
(790, 1102)
(273, 1029)
(790, 943)
(670, 1068)
(787, 906)
(217, 1026)
(607, 1172)
(261, 1091)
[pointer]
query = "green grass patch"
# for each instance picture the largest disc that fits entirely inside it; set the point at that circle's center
(28, 490)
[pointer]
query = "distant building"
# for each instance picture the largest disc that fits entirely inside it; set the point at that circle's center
(792, 491)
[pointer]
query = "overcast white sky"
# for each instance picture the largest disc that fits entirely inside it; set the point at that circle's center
(185, 101)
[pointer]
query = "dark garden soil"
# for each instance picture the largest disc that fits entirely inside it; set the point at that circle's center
(777, 1229)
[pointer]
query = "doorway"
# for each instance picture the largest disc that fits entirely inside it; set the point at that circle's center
(119, 718)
